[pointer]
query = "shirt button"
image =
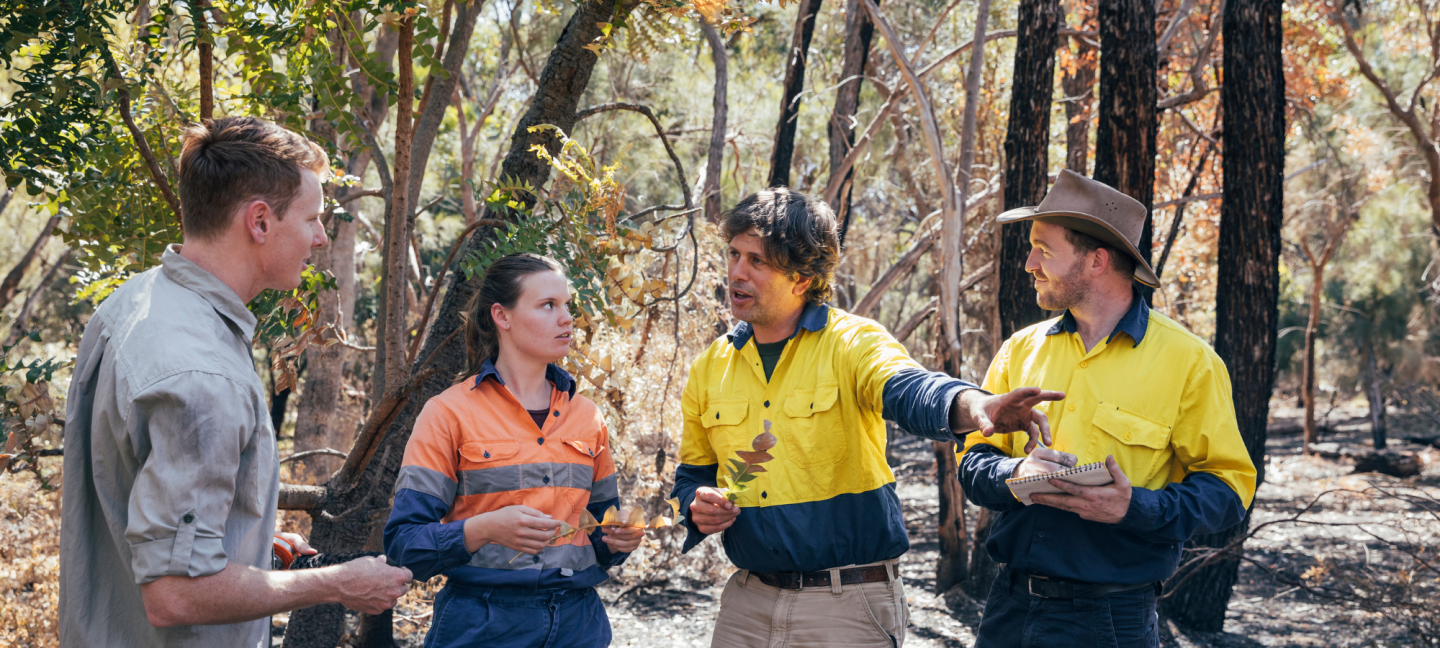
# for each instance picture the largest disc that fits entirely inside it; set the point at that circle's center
(1084, 364)
(540, 440)
(767, 403)
(188, 518)
(557, 413)
(1042, 534)
(546, 479)
(1070, 408)
(1127, 437)
(764, 494)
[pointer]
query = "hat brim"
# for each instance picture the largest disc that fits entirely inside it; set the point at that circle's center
(1090, 225)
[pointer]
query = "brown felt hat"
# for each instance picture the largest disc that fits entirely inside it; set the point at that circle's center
(1096, 209)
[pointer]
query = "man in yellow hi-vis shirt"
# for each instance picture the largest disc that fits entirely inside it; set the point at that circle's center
(1144, 396)
(817, 535)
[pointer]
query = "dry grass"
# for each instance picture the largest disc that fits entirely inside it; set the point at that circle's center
(29, 563)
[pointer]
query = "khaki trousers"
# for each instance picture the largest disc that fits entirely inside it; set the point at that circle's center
(756, 615)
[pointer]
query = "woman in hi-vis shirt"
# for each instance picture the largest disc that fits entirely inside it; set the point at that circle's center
(497, 463)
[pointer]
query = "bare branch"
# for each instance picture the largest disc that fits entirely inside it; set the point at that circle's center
(659, 130)
(331, 452)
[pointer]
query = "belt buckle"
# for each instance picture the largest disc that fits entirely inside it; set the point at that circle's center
(1030, 586)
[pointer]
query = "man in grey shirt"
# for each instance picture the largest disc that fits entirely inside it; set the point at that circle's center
(171, 472)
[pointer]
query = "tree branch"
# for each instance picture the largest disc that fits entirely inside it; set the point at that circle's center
(659, 130)
(11, 283)
(156, 175)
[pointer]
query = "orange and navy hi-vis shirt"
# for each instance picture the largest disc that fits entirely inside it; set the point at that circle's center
(475, 449)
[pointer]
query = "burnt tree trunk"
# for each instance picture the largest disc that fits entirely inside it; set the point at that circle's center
(1247, 290)
(1027, 165)
(794, 84)
(954, 559)
(1128, 120)
(854, 58)
(1375, 397)
(345, 520)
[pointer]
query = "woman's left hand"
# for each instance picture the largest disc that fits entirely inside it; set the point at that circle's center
(622, 539)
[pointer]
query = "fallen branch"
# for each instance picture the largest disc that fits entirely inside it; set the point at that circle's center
(297, 497)
(312, 453)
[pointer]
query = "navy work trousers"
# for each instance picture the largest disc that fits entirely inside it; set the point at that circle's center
(1016, 619)
(511, 617)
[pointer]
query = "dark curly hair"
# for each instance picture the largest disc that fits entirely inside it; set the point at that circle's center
(798, 233)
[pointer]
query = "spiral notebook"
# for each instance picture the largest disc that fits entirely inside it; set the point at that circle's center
(1094, 474)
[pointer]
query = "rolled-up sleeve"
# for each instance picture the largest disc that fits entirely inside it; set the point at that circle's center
(196, 431)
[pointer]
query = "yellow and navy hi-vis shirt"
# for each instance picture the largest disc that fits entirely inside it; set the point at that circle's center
(1153, 395)
(475, 449)
(828, 499)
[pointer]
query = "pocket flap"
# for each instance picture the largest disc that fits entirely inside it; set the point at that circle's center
(1130, 428)
(803, 403)
(725, 413)
(585, 448)
(486, 450)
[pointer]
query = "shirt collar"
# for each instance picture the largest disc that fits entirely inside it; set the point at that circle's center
(813, 319)
(1134, 323)
(199, 280)
(557, 376)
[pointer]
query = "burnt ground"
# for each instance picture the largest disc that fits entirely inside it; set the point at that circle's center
(1345, 544)
(1262, 612)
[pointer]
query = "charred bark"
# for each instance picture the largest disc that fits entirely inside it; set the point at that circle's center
(1128, 120)
(784, 150)
(1247, 290)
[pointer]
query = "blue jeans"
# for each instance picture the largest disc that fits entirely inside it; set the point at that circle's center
(1014, 618)
(506, 617)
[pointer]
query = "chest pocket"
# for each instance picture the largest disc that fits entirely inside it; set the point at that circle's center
(484, 466)
(724, 421)
(1139, 444)
(814, 444)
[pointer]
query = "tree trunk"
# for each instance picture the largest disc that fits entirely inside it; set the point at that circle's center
(1307, 372)
(346, 517)
(790, 92)
(854, 57)
(983, 568)
(954, 559)
(1079, 89)
(710, 187)
(319, 420)
(1027, 164)
(1125, 136)
(1248, 277)
(1375, 398)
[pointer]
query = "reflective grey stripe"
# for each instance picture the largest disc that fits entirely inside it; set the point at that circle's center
(494, 556)
(424, 480)
(607, 488)
(535, 475)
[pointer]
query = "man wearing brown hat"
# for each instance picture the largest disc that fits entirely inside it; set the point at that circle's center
(1144, 396)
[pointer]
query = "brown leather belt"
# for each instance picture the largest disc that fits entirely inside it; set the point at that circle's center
(798, 580)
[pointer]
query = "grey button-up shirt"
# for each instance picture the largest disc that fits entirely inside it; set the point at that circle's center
(170, 461)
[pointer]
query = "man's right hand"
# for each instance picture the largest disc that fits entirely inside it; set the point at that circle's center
(1043, 461)
(517, 527)
(370, 586)
(711, 512)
